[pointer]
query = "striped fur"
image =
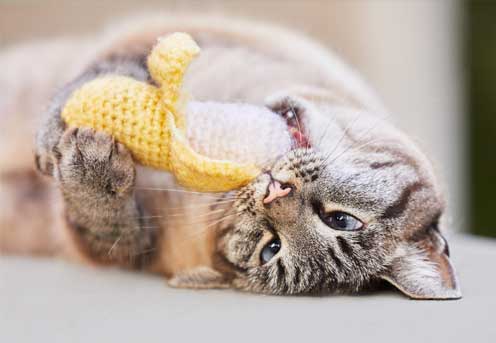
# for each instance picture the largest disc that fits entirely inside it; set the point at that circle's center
(356, 162)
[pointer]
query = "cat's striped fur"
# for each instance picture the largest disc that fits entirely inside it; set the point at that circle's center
(102, 208)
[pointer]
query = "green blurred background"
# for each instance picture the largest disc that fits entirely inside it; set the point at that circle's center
(480, 50)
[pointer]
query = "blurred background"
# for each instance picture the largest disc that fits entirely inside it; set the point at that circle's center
(433, 63)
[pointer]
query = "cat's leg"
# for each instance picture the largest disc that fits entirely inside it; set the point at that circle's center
(96, 176)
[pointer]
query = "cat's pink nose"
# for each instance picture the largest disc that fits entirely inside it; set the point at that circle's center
(274, 191)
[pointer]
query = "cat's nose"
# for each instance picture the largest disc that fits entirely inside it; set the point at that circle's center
(276, 190)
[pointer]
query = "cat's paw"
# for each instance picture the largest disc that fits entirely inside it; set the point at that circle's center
(91, 162)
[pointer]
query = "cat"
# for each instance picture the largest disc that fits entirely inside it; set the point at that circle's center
(354, 203)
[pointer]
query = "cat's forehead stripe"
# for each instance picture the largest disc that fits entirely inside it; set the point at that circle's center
(397, 208)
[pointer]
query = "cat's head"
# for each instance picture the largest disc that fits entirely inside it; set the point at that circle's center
(361, 205)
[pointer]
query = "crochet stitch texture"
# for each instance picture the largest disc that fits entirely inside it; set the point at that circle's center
(148, 119)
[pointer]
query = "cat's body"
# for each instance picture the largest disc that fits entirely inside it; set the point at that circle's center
(102, 208)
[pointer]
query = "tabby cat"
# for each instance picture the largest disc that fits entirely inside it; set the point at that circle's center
(354, 203)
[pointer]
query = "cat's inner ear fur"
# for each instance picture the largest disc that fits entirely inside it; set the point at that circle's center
(199, 278)
(421, 269)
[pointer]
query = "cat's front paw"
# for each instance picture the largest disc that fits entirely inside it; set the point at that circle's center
(90, 162)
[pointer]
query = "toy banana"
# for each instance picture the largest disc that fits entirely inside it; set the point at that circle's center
(148, 120)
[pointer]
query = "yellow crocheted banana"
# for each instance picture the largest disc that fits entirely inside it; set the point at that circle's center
(147, 120)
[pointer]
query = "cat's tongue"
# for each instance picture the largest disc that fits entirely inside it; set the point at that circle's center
(237, 132)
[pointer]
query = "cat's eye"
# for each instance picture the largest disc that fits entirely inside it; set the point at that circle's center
(339, 220)
(270, 250)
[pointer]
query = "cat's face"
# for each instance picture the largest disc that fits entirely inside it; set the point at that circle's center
(340, 220)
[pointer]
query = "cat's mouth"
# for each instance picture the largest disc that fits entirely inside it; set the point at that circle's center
(296, 128)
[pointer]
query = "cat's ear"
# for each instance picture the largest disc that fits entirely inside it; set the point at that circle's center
(421, 269)
(199, 278)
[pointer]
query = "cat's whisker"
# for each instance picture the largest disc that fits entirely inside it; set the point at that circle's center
(179, 211)
(351, 147)
(361, 136)
(200, 218)
(206, 204)
(207, 195)
(341, 139)
(205, 228)
(321, 138)
(198, 215)
(221, 219)
(209, 223)
(174, 210)
(182, 211)
(217, 219)
(114, 245)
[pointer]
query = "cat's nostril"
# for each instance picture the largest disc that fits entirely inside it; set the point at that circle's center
(276, 190)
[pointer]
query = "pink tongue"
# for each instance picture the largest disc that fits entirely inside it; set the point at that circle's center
(275, 191)
(300, 138)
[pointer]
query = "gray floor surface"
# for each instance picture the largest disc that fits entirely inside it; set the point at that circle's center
(45, 300)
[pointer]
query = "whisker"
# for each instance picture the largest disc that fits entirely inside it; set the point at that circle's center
(221, 219)
(114, 245)
(197, 216)
(204, 229)
(180, 210)
(208, 222)
(358, 147)
(361, 136)
(200, 205)
(207, 195)
(321, 138)
(341, 139)
(200, 219)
